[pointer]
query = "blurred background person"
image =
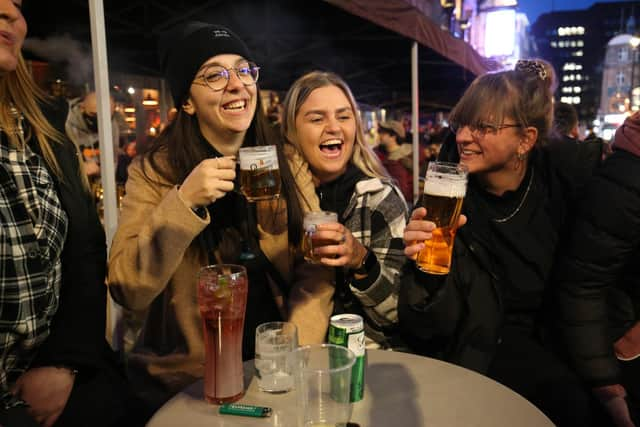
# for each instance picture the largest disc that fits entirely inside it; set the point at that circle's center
(124, 160)
(82, 128)
(396, 156)
(56, 366)
(321, 120)
(565, 123)
(431, 150)
(598, 289)
(490, 312)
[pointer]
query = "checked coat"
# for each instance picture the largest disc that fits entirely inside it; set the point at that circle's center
(377, 215)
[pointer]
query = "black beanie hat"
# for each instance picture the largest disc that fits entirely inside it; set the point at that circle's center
(184, 49)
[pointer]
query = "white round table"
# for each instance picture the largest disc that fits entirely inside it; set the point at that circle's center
(401, 389)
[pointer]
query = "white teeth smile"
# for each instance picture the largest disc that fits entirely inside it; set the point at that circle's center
(331, 143)
(468, 152)
(236, 105)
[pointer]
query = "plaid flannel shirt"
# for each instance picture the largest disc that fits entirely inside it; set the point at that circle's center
(33, 229)
(377, 215)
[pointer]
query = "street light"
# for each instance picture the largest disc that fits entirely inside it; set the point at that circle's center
(634, 42)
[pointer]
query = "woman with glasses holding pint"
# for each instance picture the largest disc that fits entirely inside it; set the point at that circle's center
(365, 243)
(491, 311)
(182, 212)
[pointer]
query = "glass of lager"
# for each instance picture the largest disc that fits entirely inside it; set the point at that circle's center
(259, 172)
(444, 189)
(311, 220)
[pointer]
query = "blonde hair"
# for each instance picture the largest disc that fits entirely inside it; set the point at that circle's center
(18, 89)
(363, 156)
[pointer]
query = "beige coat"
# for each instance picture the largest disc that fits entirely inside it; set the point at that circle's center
(154, 261)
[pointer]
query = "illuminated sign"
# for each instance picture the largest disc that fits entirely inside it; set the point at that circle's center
(500, 32)
(494, 4)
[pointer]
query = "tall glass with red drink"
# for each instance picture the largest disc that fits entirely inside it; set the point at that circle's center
(222, 297)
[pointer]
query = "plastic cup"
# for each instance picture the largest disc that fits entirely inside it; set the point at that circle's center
(323, 384)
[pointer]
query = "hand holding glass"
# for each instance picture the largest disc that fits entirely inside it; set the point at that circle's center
(311, 221)
(274, 342)
(259, 172)
(444, 190)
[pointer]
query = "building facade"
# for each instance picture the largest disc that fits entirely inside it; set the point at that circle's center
(575, 43)
(620, 94)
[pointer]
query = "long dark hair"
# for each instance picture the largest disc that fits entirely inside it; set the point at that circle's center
(179, 143)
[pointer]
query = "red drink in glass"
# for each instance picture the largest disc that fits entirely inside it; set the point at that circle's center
(222, 297)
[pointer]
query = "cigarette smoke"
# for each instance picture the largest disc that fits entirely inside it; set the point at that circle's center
(64, 49)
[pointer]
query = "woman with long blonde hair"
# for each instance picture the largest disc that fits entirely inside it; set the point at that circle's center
(322, 121)
(56, 366)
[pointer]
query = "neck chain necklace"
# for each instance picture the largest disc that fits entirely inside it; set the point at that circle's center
(524, 197)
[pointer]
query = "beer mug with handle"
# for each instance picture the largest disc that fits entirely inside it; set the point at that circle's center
(311, 221)
(259, 173)
(444, 189)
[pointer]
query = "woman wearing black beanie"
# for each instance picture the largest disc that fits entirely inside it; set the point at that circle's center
(180, 213)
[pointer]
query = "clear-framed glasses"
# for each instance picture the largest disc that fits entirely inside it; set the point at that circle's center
(482, 128)
(216, 77)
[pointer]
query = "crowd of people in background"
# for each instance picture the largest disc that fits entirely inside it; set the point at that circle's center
(542, 294)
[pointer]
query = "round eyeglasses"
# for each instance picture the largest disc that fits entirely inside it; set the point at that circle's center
(482, 128)
(216, 77)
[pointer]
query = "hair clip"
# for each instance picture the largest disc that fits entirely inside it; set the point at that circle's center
(532, 66)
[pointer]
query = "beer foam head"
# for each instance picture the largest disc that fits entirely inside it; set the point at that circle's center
(445, 186)
(311, 219)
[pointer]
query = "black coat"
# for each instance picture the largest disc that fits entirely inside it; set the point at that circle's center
(77, 336)
(602, 269)
(459, 317)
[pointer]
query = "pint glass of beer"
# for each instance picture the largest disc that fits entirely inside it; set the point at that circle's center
(259, 172)
(311, 220)
(444, 189)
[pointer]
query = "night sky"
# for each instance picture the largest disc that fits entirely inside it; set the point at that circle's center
(534, 8)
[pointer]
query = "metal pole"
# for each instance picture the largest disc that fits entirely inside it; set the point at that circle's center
(101, 79)
(634, 42)
(107, 166)
(163, 101)
(633, 67)
(415, 106)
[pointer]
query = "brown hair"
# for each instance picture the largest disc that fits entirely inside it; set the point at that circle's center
(363, 156)
(524, 94)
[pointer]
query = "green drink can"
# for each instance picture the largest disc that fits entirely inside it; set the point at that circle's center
(347, 330)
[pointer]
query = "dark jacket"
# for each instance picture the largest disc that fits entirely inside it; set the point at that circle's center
(459, 317)
(599, 294)
(77, 337)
